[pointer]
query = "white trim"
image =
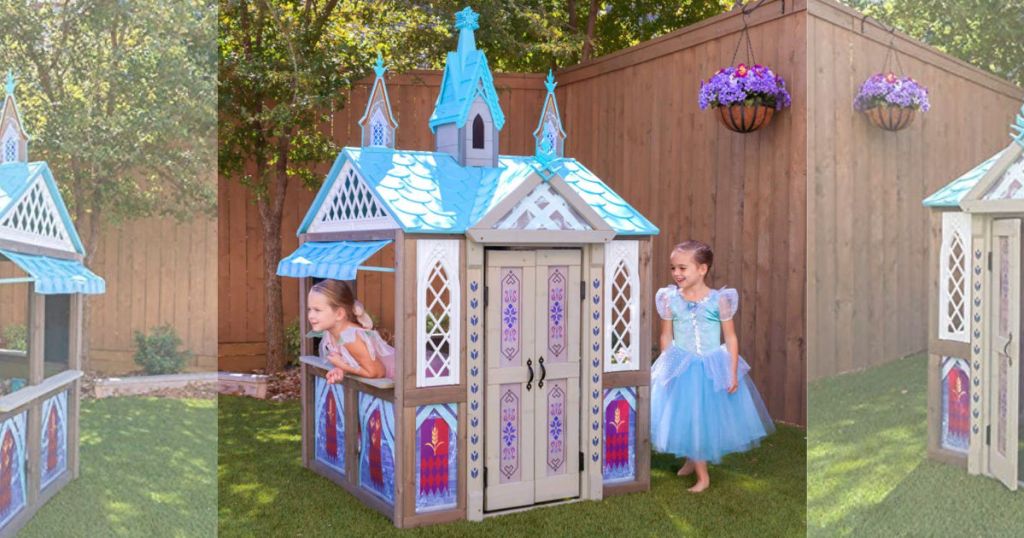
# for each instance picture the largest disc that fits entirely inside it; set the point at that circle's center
(30, 216)
(441, 254)
(956, 228)
(342, 197)
(624, 255)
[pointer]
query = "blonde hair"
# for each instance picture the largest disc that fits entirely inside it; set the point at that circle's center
(339, 295)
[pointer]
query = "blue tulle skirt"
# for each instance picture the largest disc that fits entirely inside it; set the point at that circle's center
(692, 413)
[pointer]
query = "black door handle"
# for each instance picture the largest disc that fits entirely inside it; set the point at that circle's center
(543, 373)
(529, 366)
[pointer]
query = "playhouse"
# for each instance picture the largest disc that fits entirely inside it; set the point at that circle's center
(974, 383)
(41, 252)
(521, 314)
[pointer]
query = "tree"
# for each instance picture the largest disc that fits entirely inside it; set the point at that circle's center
(283, 65)
(984, 33)
(118, 98)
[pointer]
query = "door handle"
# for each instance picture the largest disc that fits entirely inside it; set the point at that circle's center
(529, 366)
(543, 373)
(1007, 347)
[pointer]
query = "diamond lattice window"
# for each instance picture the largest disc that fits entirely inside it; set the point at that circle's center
(438, 299)
(350, 205)
(954, 277)
(622, 307)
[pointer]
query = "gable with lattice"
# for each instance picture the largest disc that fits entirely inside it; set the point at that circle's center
(34, 219)
(1011, 184)
(351, 205)
(543, 209)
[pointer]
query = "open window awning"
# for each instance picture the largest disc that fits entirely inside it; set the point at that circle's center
(53, 276)
(335, 259)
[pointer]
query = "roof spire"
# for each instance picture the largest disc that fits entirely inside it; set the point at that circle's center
(465, 23)
(1019, 127)
(379, 66)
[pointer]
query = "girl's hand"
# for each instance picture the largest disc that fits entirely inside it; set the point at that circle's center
(734, 386)
(335, 375)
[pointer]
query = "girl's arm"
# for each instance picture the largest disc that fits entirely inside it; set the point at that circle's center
(733, 345)
(666, 334)
(368, 366)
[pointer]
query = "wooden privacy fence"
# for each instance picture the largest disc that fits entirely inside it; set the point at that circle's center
(157, 272)
(868, 243)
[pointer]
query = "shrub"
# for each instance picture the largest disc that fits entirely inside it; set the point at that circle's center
(15, 337)
(158, 353)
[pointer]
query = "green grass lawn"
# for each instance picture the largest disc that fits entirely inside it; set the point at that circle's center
(867, 467)
(147, 469)
(265, 491)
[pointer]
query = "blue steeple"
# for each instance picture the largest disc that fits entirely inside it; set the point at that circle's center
(378, 123)
(1019, 127)
(549, 134)
(466, 76)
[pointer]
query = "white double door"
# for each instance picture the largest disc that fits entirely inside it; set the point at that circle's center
(532, 350)
(1004, 326)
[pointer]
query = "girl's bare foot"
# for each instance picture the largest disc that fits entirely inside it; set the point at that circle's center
(700, 486)
(686, 469)
(703, 479)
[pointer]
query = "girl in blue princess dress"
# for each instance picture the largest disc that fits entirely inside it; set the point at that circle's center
(703, 403)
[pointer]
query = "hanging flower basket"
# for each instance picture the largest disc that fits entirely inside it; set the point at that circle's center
(746, 98)
(891, 102)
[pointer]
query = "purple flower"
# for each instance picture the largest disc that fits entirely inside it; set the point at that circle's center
(891, 90)
(744, 85)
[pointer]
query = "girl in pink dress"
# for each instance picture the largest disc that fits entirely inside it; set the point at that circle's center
(349, 341)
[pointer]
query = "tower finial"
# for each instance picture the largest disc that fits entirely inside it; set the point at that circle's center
(9, 87)
(465, 23)
(550, 83)
(1019, 127)
(379, 66)
(467, 19)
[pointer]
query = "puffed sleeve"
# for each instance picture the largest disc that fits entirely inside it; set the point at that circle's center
(661, 302)
(728, 303)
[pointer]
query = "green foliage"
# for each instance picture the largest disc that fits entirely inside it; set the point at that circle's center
(292, 341)
(14, 337)
(158, 353)
(119, 98)
(986, 34)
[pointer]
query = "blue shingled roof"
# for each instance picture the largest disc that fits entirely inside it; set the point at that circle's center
(951, 194)
(430, 192)
(15, 179)
(466, 75)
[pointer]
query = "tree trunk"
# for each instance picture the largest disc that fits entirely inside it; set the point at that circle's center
(588, 40)
(271, 208)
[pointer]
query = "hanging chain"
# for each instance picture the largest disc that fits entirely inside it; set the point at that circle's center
(745, 34)
(892, 53)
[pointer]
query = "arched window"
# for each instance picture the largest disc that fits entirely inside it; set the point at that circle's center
(478, 132)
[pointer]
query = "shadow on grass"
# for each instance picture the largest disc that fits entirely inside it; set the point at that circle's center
(147, 469)
(868, 472)
(264, 490)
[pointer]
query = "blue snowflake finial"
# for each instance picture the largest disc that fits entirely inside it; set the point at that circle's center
(467, 19)
(379, 66)
(10, 83)
(550, 83)
(1019, 127)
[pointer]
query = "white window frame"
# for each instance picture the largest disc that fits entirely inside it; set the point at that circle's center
(626, 253)
(47, 208)
(443, 252)
(954, 224)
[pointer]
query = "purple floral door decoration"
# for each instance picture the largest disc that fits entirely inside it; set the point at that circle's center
(557, 278)
(511, 315)
(556, 428)
(510, 432)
